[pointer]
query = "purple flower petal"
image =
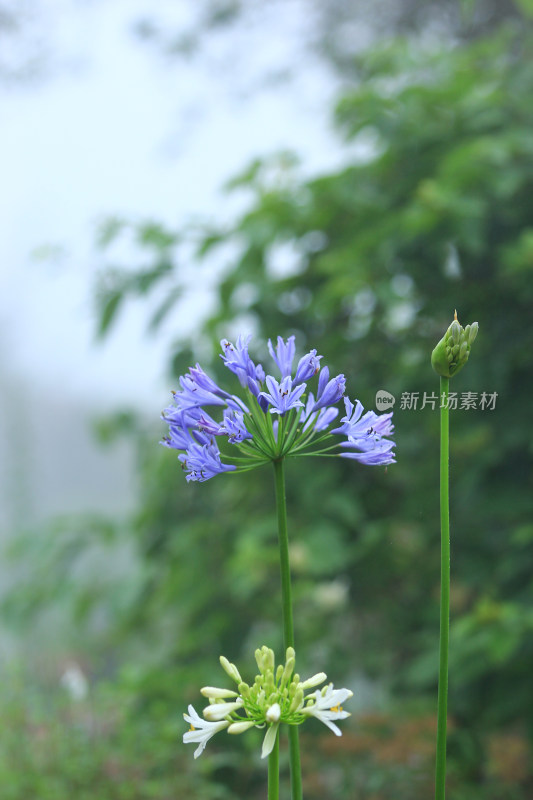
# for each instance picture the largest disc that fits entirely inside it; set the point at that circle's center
(284, 355)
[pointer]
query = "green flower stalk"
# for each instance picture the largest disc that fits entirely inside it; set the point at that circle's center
(288, 625)
(449, 356)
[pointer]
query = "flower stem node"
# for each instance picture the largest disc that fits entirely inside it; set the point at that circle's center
(276, 697)
(452, 352)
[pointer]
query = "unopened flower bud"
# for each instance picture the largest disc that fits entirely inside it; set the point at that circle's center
(315, 680)
(218, 711)
(230, 669)
(273, 713)
(297, 700)
(244, 689)
(268, 658)
(452, 352)
(217, 694)
(240, 727)
(287, 672)
(455, 331)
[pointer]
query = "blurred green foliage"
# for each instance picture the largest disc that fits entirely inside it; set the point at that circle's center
(432, 210)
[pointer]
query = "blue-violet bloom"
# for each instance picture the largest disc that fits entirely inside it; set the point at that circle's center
(281, 396)
(271, 417)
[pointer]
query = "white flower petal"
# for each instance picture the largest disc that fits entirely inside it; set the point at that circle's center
(200, 749)
(192, 718)
(270, 740)
(331, 725)
(201, 730)
(330, 697)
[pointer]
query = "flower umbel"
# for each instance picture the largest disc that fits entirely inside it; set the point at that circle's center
(274, 417)
(276, 697)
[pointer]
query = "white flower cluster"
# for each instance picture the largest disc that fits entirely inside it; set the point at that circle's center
(276, 696)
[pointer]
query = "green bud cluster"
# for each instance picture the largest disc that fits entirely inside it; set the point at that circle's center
(276, 696)
(452, 352)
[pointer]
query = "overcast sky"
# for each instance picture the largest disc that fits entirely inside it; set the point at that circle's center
(115, 128)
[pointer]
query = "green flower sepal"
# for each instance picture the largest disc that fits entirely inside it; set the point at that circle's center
(277, 696)
(453, 350)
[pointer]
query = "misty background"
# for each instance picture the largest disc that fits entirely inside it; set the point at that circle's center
(177, 172)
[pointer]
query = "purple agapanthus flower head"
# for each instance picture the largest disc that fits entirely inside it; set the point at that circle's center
(271, 417)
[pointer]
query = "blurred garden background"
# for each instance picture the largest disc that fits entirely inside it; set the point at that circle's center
(178, 172)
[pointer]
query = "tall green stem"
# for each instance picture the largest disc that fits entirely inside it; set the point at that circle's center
(440, 766)
(273, 771)
(288, 625)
